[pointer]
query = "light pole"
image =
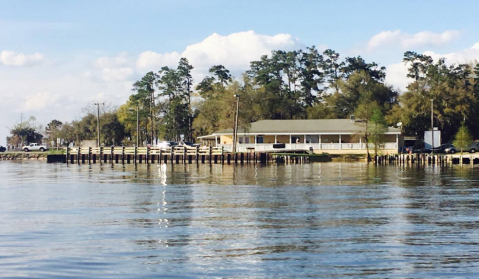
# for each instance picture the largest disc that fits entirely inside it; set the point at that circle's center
(98, 120)
(137, 125)
(235, 135)
(432, 126)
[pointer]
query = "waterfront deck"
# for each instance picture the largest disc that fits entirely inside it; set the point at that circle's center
(147, 155)
(218, 155)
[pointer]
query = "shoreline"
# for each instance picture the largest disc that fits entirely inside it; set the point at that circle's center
(20, 155)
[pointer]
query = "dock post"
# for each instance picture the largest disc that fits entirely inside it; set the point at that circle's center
(89, 155)
(101, 154)
(184, 154)
(135, 154)
(210, 152)
(160, 158)
(122, 155)
(148, 155)
(172, 154)
(112, 148)
(67, 156)
(222, 155)
(197, 153)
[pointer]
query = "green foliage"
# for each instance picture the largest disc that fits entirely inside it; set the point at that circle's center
(454, 90)
(378, 129)
(175, 87)
(463, 138)
(144, 98)
(52, 130)
(283, 85)
(24, 132)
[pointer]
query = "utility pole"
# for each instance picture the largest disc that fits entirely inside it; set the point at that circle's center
(137, 124)
(98, 120)
(152, 106)
(235, 135)
(432, 126)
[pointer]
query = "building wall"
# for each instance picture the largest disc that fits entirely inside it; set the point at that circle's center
(389, 138)
(268, 139)
(226, 139)
(348, 139)
(282, 139)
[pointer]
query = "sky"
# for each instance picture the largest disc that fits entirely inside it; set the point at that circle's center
(59, 57)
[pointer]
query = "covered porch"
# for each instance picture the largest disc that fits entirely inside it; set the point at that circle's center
(318, 143)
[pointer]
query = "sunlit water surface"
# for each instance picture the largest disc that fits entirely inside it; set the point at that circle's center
(329, 220)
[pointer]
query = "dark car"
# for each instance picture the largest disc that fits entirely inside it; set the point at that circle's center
(442, 148)
(3, 148)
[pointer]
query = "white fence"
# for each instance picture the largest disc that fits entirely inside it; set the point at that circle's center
(241, 147)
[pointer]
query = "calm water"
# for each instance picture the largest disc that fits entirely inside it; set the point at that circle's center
(330, 220)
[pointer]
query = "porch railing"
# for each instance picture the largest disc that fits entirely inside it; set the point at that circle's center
(245, 147)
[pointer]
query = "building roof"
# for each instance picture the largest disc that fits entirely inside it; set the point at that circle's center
(305, 126)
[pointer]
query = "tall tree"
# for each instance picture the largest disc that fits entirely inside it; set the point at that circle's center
(332, 69)
(184, 71)
(365, 112)
(145, 98)
(378, 129)
(53, 129)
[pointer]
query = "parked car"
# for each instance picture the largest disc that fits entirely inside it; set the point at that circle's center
(472, 148)
(442, 148)
(34, 147)
(188, 144)
(3, 148)
(166, 144)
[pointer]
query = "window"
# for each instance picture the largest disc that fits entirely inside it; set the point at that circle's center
(259, 139)
(243, 139)
(312, 139)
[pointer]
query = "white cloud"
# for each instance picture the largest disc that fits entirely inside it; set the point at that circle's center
(396, 76)
(396, 73)
(110, 62)
(38, 101)
(153, 60)
(463, 56)
(405, 40)
(11, 58)
(234, 51)
(116, 74)
(111, 69)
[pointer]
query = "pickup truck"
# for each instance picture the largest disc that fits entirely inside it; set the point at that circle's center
(34, 147)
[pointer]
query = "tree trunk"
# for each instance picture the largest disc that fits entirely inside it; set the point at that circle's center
(367, 143)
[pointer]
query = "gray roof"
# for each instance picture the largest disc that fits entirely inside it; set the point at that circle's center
(305, 126)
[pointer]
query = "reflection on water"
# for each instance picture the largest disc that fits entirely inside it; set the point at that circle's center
(346, 220)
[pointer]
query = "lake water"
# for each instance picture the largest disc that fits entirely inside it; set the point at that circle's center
(321, 220)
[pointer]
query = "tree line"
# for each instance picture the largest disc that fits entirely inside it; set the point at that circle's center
(300, 84)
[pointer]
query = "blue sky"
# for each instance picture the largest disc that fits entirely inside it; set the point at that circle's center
(56, 57)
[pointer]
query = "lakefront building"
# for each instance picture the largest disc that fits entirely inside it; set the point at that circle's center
(335, 136)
